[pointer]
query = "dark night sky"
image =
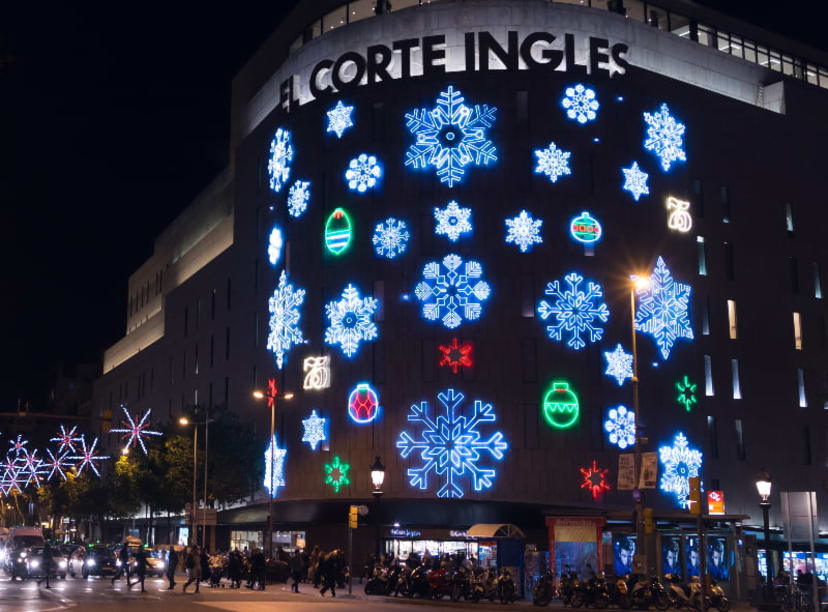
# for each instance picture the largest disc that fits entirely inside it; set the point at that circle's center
(110, 122)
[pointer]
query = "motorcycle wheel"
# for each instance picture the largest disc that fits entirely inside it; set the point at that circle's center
(577, 600)
(456, 592)
(542, 600)
(601, 603)
(723, 604)
(662, 602)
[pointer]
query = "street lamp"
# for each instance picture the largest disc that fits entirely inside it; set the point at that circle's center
(639, 283)
(763, 487)
(377, 477)
(184, 421)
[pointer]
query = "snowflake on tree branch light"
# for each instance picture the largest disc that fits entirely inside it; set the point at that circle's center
(452, 291)
(553, 162)
(298, 198)
(133, 432)
(619, 364)
(88, 456)
(664, 137)
(390, 238)
(363, 173)
(66, 439)
(350, 320)
(284, 319)
(635, 181)
(680, 463)
(452, 221)
(620, 427)
(524, 231)
(663, 309)
(576, 312)
(281, 157)
(339, 119)
(314, 430)
(580, 104)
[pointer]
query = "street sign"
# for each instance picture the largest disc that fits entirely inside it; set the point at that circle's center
(626, 472)
(715, 502)
(649, 471)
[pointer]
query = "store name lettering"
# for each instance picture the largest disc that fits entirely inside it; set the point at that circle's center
(405, 533)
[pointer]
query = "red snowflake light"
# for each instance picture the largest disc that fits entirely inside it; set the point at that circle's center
(272, 392)
(595, 480)
(456, 355)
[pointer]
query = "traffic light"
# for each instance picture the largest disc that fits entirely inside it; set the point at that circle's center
(694, 498)
(353, 517)
(649, 525)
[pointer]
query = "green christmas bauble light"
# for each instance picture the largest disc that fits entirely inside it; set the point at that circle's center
(560, 406)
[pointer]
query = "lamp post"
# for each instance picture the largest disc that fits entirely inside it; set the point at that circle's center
(377, 478)
(184, 421)
(763, 487)
(272, 394)
(639, 283)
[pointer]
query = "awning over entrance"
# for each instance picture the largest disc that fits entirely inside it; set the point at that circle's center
(495, 530)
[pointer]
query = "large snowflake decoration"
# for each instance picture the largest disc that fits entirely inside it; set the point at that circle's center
(553, 162)
(524, 231)
(663, 309)
(620, 427)
(31, 467)
(619, 364)
(281, 157)
(314, 429)
(635, 181)
(363, 172)
(274, 246)
(56, 464)
(452, 220)
(88, 456)
(450, 136)
(274, 476)
(336, 474)
(66, 439)
(17, 445)
(339, 119)
(680, 463)
(580, 104)
(451, 446)
(664, 137)
(576, 311)
(452, 291)
(298, 198)
(11, 479)
(350, 320)
(133, 432)
(595, 480)
(390, 238)
(284, 319)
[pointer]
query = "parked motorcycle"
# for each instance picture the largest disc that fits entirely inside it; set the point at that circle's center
(648, 591)
(619, 593)
(378, 582)
(418, 584)
(438, 583)
(678, 593)
(714, 596)
(569, 584)
(544, 590)
(460, 584)
(484, 586)
(591, 593)
(506, 590)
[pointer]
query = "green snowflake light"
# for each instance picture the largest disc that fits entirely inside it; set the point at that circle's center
(686, 393)
(336, 474)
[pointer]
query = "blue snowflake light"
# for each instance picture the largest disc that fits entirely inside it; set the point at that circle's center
(452, 291)
(450, 136)
(619, 364)
(350, 320)
(274, 246)
(553, 162)
(390, 238)
(284, 319)
(663, 309)
(635, 181)
(133, 432)
(664, 137)
(524, 231)
(281, 158)
(274, 476)
(577, 312)
(315, 429)
(298, 198)
(620, 427)
(452, 221)
(339, 119)
(679, 463)
(363, 173)
(580, 104)
(451, 446)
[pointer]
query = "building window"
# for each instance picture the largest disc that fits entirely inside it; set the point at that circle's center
(361, 9)
(229, 292)
(800, 383)
(731, 319)
(212, 349)
(793, 270)
(806, 445)
(226, 391)
(213, 305)
(713, 432)
(706, 316)
(797, 326)
(186, 320)
(740, 440)
(195, 397)
(817, 280)
(256, 328)
(789, 223)
(702, 255)
(255, 377)
(725, 197)
(734, 371)
(335, 19)
(227, 343)
(256, 275)
(196, 359)
(730, 266)
(708, 376)
(527, 297)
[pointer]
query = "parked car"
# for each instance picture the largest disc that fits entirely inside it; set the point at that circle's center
(35, 565)
(95, 561)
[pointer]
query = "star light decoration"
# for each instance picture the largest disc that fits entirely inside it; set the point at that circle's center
(686, 393)
(619, 364)
(284, 319)
(390, 238)
(133, 432)
(298, 198)
(56, 464)
(452, 291)
(680, 462)
(576, 312)
(350, 320)
(664, 137)
(281, 158)
(450, 446)
(452, 220)
(339, 119)
(314, 430)
(635, 181)
(363, 173)
(595, 480)
(274, 467)
(620, 427)
(336, 474)
(450, 136)
(523, 231)
(274, 246)
(579, 103)
(553, 162)
(88, 456)
(66, 439)
(456, 355)
(663, 309)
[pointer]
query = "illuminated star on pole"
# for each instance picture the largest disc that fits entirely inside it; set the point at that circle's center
(66, 439)
(132, 432)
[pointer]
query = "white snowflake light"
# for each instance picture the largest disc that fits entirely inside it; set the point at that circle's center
(664, 137)
(452, 220)
(580, 104)
(390, 238)
(451, 446)
(17, 444)
(450, 136)
(56, 464)
(553, 162)
(635, 181)
(284, 319)
(274, 246)
(298, 198)
(680, 463)
(663, 309)
(11, 479)
(524, 231)
(274, 476)
(88, 456)
(133, 432)
(66, 439)
(363, 173)
(30, 467)
(339, 119)
(576, 312)
(620, 427)
(619, 364)
(281, 157)
(314, 429)
(452, 291)
(350, 320)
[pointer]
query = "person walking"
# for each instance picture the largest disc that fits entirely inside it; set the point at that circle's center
(193, 564)
(172, 565)
(295, 563)
(330, 571)
(123, 564)
(257, 569)
(314, 573)
(140, 568)
(234, 569)
(46, 564)
(205, 565)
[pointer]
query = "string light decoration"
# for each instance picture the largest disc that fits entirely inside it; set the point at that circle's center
(585, 228)
(285, 331)
(553, 162)
(363, 404)
(338, 232)
(452, 291)
(561, 408)
(450, 136)
(679, 218)
(595, 480)
(635, 181)
(363, 173)
(298, 198)
(451, 447)
(456, 355)
(686, 393)
(620, 427)
(339, 119)
(274, 467)
(663, 309)
(350, 320)
(452, 221)
(281, 158)
(66, 439)
(576, 312)
(133, 432)
(317, 373)
(523, 231)
(274, 245)
(336, 474)
(88, 456)
(56, 464)
(665, 137)
(315, 430)
(580, 103)
(619, 364)
(679, 463)
(390, 238)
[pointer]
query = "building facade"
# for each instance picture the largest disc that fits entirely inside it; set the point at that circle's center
(429, 232)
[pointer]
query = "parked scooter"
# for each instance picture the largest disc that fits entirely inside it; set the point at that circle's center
(569, 585)
(648, 591)
(544, 590)
(714, 596)
(460, 584)
(506, 586)
(592, 593)
(679, 593)
(484, 586)
(619, 593)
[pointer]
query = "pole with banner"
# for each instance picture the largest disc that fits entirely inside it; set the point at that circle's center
(353, 522)
(695, 507)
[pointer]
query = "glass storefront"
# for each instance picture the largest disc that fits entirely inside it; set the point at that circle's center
(801, 563)
(435, 542)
